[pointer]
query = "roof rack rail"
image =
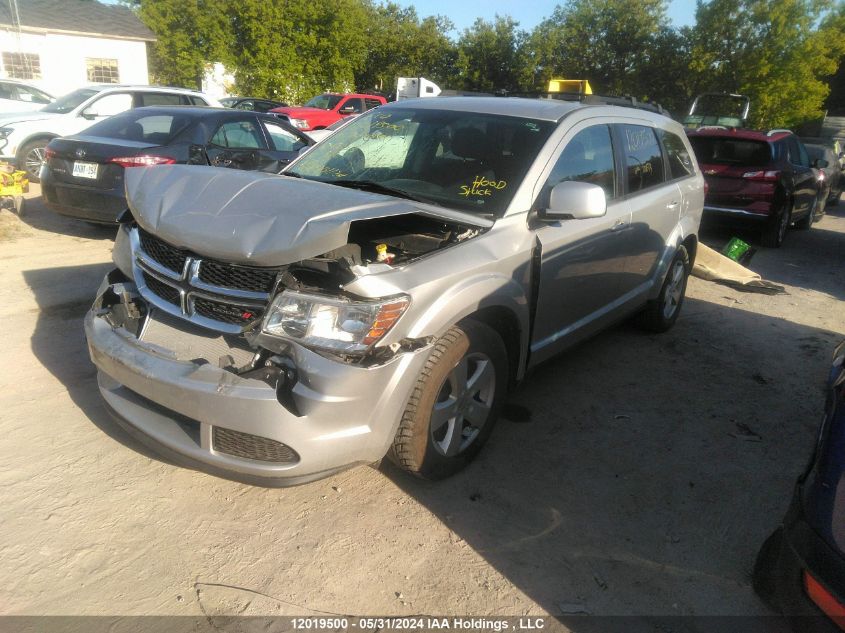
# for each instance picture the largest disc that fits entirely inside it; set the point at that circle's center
(626, 101)
(714, 127)
(778, 130)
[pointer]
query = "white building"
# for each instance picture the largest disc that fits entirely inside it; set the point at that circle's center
(60, 45)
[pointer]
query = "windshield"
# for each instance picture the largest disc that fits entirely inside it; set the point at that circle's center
(70, 101)
(324, 102)
(464, 160)
(729, 151)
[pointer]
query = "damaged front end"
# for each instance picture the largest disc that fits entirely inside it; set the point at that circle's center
(256, 367)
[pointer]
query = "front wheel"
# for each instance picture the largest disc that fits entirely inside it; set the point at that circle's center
(660, 314)
(455, 403)
(30, 157)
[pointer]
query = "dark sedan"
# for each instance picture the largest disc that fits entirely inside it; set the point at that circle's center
(800, 569)
(252, 103)
(82, 175)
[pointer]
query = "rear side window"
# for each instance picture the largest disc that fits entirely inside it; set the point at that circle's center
(680, 162)
(797, 153)
(731, 151)
(283, 141)
(588, 157)
(238, 135)
(372, 103)
(197, 101)
(643, 159)
(158, 128)
(160, 99)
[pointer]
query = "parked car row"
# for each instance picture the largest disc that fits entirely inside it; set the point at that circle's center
(768, 180)
(83, 175)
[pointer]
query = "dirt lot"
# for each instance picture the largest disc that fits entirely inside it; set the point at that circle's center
(649, 472)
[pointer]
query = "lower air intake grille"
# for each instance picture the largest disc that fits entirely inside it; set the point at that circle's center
(163, 290)
(250, 446)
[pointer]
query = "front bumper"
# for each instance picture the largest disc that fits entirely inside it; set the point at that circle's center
(347, 414)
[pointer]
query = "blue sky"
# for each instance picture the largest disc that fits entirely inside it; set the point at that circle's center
(528, 12)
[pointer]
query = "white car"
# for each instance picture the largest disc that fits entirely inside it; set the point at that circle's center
(24, 135)
(16, 96)
(319, 135)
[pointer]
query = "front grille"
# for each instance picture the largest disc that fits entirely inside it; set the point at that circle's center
(225, 312)
(237, 277)
(162, 252)
(163, 290)
(248, 446)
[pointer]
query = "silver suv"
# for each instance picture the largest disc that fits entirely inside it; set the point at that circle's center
(383, 294)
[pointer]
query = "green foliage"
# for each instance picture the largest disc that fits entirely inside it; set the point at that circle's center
(189, 32)
(600, 40)
(782, 53)
(778, 52)
(399, 44)
(493, 56)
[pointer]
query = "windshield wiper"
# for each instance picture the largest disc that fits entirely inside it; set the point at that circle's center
(377, 187)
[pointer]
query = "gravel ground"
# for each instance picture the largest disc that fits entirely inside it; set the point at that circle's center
(650, 470)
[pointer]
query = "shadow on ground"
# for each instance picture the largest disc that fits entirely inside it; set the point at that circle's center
(38, 216)
(648, 473)
(651, 470)
(59, 341)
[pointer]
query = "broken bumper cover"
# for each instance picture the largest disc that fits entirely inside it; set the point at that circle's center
(213, 420)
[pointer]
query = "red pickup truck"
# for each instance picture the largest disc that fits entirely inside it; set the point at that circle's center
(325, 109)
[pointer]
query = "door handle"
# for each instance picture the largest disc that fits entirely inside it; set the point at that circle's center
(620, 225)
(672, 205)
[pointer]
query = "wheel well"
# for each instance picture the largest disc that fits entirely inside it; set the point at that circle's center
(691, 244)
(37, 137)
(506, 325)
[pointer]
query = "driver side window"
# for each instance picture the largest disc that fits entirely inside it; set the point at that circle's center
(587, 157)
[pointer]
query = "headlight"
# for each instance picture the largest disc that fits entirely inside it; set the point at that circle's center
(332, 323)
(300, 123)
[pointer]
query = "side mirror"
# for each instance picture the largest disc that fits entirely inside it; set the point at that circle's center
(347, 109)
(575, 200)
(89, 113)
(820, 163)
(302, 150)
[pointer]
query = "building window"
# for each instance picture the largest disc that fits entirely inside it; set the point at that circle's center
(22, 65)
(102, 71)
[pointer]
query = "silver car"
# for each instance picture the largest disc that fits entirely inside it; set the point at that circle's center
(382, 295)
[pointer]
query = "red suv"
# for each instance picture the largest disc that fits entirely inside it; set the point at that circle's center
(323, 110)
(762, 177)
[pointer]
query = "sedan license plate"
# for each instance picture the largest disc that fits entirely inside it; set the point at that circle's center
(85, 170)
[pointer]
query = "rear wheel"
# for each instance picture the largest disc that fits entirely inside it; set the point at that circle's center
(455, 402)
(775, 231)
(660, 314)
(30, 157)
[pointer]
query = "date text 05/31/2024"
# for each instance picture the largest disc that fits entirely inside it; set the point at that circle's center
(419, 623)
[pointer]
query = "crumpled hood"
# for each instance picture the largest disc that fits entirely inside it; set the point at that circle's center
(257, 218)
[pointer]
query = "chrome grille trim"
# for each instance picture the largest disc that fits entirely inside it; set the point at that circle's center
(189, 287)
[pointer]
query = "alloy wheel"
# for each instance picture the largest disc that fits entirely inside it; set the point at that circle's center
(463, 405)
(33, 160)
(674, 290)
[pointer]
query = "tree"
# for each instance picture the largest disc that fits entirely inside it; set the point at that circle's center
(400, 44)
(772, 51)
(189, 32)
(493, 56)
(600, 40)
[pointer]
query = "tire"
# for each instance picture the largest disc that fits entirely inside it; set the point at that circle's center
(765, 568)
(775, 231)
(469, 354)
(30, 156)
(660, 314)
(806, 223)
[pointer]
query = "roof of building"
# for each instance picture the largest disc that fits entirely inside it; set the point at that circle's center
(86, 17)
